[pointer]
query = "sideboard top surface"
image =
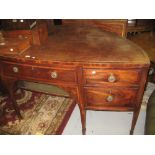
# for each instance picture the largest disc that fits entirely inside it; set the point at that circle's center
(83, 45)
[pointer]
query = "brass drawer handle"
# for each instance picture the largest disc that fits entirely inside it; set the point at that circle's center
(54, 75)
(111, 78)
(110, 98)
(15, 69)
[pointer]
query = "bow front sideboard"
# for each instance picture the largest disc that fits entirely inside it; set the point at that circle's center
(100, 70)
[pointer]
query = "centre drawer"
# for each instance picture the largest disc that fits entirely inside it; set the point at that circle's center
(111, 76)
(39, 73)
(55, 74)
(110, 96)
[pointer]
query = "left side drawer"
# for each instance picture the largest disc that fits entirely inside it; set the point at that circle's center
(16, 70)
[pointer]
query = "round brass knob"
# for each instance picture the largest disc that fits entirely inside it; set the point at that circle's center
(110, 98)
(93, 72)
(111, 78)
(2, 43)
(20, 36)
(54, 75)
(15, 69)
(11, 49)
(14, 20)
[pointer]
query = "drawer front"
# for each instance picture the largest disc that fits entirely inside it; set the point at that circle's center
(39, 73)
(16, 70)
(110, 97)
(111, 76)
(63, 75)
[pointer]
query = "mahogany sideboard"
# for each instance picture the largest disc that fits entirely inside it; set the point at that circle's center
(100, 70)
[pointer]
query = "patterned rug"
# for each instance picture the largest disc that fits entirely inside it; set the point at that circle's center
(43, 114)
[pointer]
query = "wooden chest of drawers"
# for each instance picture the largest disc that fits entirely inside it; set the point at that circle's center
(106, 88)
(99, 70)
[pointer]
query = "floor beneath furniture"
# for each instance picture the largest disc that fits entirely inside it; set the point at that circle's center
(105, 123)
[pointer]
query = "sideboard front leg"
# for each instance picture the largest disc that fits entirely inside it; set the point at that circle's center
(134, 120)
(83, 122)
(9, 84)
(83, 118)
(82, 113)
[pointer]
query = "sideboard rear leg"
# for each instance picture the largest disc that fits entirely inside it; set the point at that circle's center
(14, 103)
(9, 84)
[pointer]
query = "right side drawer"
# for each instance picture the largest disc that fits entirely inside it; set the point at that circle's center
(114, 97)
(114, 77)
